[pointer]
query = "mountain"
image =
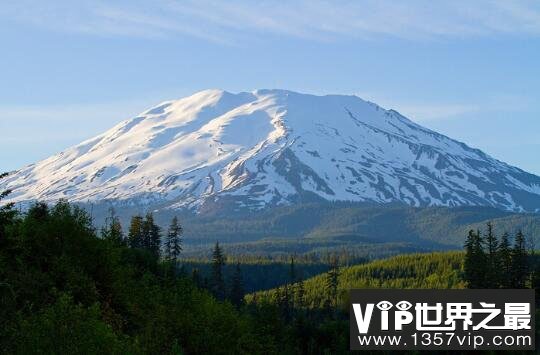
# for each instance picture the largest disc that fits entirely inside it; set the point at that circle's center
(252, 150)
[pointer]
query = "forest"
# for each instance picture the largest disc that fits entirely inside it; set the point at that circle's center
(69, 288)
(365, 230)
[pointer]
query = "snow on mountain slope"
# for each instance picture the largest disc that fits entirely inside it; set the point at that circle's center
(272, 147)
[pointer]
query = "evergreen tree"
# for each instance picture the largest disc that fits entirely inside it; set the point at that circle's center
(535, 279)
(283, 297)
(292, 283)
(217, 281)
(151, 235)
(292, 271)
(492, 270)
(237, 287)
(520, 262)
(475, 260)
(112, 230)
(504, 256)
(173, 242)
(332, 282)
(4, 194)
(135, 234)
(7, 213)
(300, 294)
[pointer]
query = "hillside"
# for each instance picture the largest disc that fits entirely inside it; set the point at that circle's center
(431, 270)
(366, 229)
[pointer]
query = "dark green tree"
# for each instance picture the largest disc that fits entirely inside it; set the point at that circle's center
(151, 235)
(135, 234)
(63, 290)
(283, 298)
(237, 287)
(504, 256)
(300, 294)
(173, 242)
(292, 271)
(7, 212)
(112, 230)
(520, 262)
(492, 270)
(291, 287)
(332, 282)
(217, 282)
(475, 260)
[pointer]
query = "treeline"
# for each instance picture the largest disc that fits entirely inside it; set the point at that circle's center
(427, 270)
(66, 288)
(499, 262)
(317, 308)
(298, 228)
(145, 234)
(257, 273)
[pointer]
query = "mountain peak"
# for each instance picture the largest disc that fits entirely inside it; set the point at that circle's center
(273, 147)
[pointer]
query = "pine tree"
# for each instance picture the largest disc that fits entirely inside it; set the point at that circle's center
(520, 262)
(135, 234)
(292, 283)
(4, 194)
(504, 256)
(112, 230)
(151, 235)
(292, 272)
(217, 281)
(237, 287)
(7, 213)
(300, 294)
(492, 270)
(173, 242)
(475, 260)
(332, 281)
(284, 301)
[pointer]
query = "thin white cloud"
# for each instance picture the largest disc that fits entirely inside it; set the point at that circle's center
(233, 21)
(49, 123)
(439, 111)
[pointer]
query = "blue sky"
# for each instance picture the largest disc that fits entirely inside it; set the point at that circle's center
(72, 69)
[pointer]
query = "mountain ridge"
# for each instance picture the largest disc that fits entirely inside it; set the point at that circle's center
(252, 150)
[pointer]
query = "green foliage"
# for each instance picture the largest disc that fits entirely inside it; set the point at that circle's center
(504, 254)
(145, 234)
(430, 270)
(475, 260)
(332, 282)
(316, 324)
(173, 241)
(348, 225)
(490, 263)
(237, 287)
(520, 262)
(112, 230)
(64, 290)
(68, 328)
(257, 273)
(135, 236)
(151, 235)
(217, 281)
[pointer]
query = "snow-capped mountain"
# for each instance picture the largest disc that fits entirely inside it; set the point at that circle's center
(273, 147)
